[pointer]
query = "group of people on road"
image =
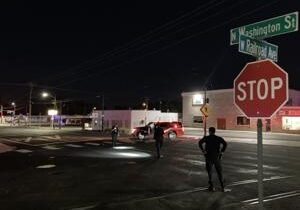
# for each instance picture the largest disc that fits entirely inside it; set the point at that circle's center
(209, 145)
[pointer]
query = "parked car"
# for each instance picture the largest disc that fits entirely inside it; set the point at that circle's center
(171, 129)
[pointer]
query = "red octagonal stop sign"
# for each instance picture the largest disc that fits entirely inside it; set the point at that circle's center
(261, 89)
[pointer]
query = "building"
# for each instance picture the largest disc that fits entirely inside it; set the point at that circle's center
(128, 119)
(223, 114)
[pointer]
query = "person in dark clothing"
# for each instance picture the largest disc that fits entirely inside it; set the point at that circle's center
(213, 154)
(114, 134)
(159, 137)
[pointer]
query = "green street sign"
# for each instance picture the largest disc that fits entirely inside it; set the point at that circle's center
(267, 28)
(258, 48)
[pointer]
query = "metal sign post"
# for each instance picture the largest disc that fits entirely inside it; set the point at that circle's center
(204, 116)
(261, 104)
(260, 165)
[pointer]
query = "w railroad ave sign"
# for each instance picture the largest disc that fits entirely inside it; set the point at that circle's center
(267, 28)
(261, 89)
(258, 48)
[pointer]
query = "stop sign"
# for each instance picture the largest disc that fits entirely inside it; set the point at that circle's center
(261, 89)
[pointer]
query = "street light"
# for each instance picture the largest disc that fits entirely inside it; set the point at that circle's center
(14, 112)
(145, 105)
(46, 95)
(54, 112)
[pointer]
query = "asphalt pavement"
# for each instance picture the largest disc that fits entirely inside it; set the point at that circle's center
(76, 172)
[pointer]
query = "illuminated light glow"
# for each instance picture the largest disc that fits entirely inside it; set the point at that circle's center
(44, 94)
(115, 154)
(52, 112)
(133, 130)
(46, 166)
(124, 147)
(198, 99)
(130, 154)
(291, 123)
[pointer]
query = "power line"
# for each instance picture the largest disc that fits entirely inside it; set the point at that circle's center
(163, 37)
(145, 37)
(170, 45)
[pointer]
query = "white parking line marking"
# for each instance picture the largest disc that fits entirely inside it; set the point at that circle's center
(273, 197)
(85, 208)
(16, 142)
(28, 139)
(23, 150)
(51, 147)
(46, 166)
(197, 190)
(93, 144)
(73, 145)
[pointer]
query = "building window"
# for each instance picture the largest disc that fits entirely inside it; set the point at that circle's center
(197, 119)
(241, 120)
(197, 99)
(291, 123)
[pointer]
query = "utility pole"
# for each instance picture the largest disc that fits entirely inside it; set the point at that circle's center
(204, 117)
(30, 103)
(102, 115)
(1, 110)
(102, 111)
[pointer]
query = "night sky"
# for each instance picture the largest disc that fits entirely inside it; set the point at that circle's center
(130, 50)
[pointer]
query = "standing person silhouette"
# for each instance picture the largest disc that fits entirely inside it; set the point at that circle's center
(213, 154)
(114, 134)
(159, 137)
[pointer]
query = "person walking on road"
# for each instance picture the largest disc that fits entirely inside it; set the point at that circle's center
(114, 134)
(213, 155)
(159, 137)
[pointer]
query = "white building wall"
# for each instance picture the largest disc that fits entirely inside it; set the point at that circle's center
(111, 117)
(128, 119)
(142, 117)
(222, 109)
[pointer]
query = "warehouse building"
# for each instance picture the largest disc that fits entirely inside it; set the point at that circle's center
(223, 114)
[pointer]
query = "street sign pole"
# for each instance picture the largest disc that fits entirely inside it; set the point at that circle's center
(204, 115)
(260, 165)
(250, 41)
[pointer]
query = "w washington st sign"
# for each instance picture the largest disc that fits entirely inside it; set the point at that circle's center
(267, 28)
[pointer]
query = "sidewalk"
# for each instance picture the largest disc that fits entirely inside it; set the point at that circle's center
(254, 141)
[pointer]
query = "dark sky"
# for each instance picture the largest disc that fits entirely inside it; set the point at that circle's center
(130, 50)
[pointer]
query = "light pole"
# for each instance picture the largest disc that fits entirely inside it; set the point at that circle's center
(46, 95)
(30, 104)
(14, 112)
(145, 105)
(102, 112)
(1, 111)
